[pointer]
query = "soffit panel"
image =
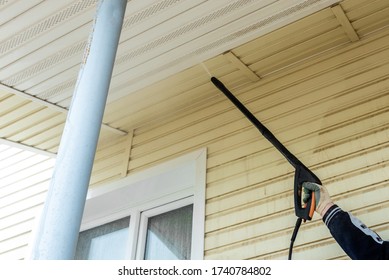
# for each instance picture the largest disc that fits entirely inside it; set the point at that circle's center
(157, 74)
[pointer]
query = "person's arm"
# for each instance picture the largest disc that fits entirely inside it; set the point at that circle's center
(357, 240)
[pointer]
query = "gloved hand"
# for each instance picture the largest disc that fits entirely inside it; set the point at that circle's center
(322, 197)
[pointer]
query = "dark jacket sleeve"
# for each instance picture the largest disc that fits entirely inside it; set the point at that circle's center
(358, 241)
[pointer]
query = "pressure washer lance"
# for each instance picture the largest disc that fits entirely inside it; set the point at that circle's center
(302, 173)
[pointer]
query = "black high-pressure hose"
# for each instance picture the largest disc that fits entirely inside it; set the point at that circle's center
(293, 238)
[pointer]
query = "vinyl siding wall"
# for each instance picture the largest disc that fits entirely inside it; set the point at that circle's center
(23, 186)
(331, 111)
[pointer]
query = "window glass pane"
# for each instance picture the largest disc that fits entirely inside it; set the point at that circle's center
(105, 242)
(169, 235)
(111, 246)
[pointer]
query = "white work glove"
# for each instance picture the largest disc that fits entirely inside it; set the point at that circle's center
(322, 198)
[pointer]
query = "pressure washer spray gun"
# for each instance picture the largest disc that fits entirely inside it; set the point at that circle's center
(302, 173)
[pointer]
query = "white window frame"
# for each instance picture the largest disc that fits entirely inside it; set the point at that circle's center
(169, 185)
(144, 218)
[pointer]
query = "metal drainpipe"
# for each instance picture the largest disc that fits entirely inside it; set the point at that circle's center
(57, 233)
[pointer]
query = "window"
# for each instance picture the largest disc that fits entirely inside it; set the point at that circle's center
(105, 242)
(154, 214)
(166, 236)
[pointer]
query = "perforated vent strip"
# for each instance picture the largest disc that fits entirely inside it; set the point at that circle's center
(45, 64)
(231, 37)
(254, 27)
(183, 30)
(79, 47)
(3, 2)
(209, 47)
(59, 89)
(53, 92)
(148, 12)
(45, 25)
(66, 87)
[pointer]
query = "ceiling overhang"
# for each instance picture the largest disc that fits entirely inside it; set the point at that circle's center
(158, 74)
(43, 41)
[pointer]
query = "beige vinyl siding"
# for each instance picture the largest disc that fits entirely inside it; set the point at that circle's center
(24, 182)
(23, 185)
(330, 110)
(109, 161)
(324, 97)
(30, 123)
